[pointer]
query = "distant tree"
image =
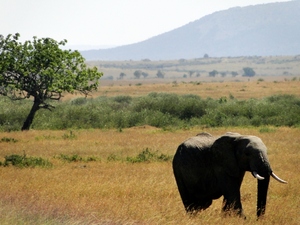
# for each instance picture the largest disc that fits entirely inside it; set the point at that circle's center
(191, 72)
(286, 73)
(234, 74)
(160, 74)
(137, 74)
(122, 75)
(205, 56)
(40, 70)
(248, 72)
(223, 74)
(198, 74)
(213, 73)
(145, 75)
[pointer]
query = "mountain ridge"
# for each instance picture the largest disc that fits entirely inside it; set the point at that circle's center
(264, 30)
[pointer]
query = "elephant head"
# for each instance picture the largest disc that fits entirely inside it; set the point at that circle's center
(239, 153)
(217, 167)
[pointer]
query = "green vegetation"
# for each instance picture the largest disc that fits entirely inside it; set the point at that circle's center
(40, 70)
(156, 109)
(145, 155)
(69, 136)
(248, 72)
(148, 156)
(8, 140)
(23, 161)
(76, 158)
(213, 73)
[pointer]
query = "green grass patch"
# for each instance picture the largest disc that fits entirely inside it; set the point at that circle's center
(9, 140)
(23, 161)
(148, 156)
(76, 158)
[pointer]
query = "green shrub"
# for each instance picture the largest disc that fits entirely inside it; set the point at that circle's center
(70, 135)
(76, 158)
(156, 109)
(266, 130)
(5, 139)
(79, 101)
(148, 156)
(69, 158)
(123, 99)
(22, 161)
(13, 114)
(113, 158)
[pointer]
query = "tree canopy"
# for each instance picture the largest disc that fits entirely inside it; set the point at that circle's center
(248, 72)
(213, 73)
(137, 74)
(41, 70)
(160, 74)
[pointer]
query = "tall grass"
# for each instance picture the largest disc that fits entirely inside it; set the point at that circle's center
(105, 191)
(161, 110)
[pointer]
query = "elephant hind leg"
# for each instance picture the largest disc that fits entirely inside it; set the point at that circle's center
(190, 201)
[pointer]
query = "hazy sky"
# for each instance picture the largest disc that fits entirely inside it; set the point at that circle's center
(105, 22)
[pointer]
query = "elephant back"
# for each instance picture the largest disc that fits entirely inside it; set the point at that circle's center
(194, 151)
(201, 141)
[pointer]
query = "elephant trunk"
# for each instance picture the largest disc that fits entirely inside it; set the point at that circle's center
(261, 170)
(262, 191)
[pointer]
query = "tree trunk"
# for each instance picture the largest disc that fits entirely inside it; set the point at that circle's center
(29, 119)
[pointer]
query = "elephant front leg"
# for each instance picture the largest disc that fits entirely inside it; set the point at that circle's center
(232, 204)
(232, 197)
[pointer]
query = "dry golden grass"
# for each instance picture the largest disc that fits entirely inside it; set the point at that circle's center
(105, 192)
(240, 90)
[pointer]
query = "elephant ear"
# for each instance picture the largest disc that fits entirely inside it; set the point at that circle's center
(224, 154)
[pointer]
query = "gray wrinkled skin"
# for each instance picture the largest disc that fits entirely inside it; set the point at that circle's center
(207, 167)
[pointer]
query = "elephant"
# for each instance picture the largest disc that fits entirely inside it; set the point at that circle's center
(207, 167)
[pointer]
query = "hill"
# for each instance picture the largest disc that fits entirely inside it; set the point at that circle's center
(264, 30)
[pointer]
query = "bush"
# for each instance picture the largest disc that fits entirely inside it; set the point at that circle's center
(13, 114)
(182, 107)
(79, 101)
(70, 135)
(22, 161)
(148, 156)
(11, 140)
(248, 72)
(155, 109)
(76, 158)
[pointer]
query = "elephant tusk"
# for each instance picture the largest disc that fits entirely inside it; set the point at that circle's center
(256, 175)
(277, 178)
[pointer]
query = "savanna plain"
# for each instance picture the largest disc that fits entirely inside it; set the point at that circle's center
(96, 177)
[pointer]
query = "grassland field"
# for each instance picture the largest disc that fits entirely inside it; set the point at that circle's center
(265, 68)
(107, 191)
(120, 192)
(274, 75)
(240, 90)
